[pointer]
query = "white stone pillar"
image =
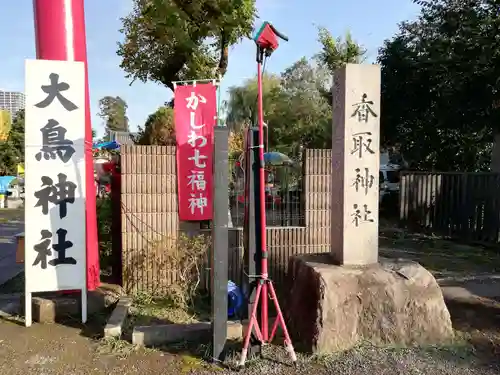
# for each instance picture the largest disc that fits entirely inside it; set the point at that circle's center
(356, 162)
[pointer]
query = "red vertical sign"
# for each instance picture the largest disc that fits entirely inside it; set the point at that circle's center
(195, 117)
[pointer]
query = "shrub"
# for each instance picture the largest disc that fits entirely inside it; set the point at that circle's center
(104, 222)
(187, 258)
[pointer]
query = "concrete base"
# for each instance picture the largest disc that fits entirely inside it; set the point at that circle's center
(49, 307)
(173, 333)
(331, 308)
(117, 319)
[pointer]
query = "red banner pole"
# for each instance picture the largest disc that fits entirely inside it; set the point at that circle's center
(60, 35)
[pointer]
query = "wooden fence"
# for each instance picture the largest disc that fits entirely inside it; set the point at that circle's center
(148, 211)
(465, 206)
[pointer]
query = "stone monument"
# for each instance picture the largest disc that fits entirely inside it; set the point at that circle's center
(339, 299)
(356, 161)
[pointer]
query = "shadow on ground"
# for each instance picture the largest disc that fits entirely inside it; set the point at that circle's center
(444, 258)
(479, 320)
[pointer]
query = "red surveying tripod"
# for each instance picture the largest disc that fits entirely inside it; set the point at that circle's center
(266, 40)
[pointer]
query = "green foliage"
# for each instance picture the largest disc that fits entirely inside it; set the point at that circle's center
(159, 128)
(186, 254)
(336, 53)
(235, 144)
(301, 117)
(183, 255)
(295, 110)
(104, 226)
(297, 104)
(241, 107)
(12, 150)
(113, 110)
(440, 85)
(172, 40)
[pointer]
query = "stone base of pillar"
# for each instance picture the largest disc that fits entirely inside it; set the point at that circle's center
(330, 308)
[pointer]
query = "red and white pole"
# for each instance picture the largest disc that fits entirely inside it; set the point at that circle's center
(60, 35)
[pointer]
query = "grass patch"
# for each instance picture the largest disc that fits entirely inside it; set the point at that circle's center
(113, 346)
(148, 310)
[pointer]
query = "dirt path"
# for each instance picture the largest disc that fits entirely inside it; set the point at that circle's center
(61, 350)
(57, 349)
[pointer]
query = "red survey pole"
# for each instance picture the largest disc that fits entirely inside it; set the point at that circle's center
(60, 35)
(266, 41)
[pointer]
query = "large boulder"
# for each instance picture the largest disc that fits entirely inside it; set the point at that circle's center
(330, 308)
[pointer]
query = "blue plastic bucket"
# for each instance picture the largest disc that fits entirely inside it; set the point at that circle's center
(234, 299)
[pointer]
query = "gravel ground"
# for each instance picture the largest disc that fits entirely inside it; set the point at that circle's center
(69, 349)
(63, 350)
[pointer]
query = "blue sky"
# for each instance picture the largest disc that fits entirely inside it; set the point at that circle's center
(369, 21)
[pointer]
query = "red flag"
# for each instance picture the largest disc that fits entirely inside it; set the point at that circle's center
(195, 113)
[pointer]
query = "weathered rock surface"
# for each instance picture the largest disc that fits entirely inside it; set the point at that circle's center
(331, 308)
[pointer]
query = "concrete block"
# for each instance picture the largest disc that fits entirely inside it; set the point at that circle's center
(170, 333)
(117, 319)
(50, 306)
(48, 310)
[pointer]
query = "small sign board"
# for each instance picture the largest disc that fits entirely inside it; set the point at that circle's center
(55, 251)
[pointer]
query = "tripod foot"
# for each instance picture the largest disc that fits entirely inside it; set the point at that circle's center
(241, 363)
(291, 351)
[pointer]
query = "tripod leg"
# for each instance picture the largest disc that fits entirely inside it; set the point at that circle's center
(281, 320)
(273, 330)
(263, 313)
(253, 324)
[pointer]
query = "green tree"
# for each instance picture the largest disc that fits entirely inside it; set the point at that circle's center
(301, 117)
(173, 40)
(295, 111)
(12, 150)
(440, 90)
(241, 107)
(297, 104)
(159, 128)
(113, 110)
(335, 53)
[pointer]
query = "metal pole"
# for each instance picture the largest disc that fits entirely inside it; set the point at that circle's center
(219, 252)
(252, 227)
(263, 244)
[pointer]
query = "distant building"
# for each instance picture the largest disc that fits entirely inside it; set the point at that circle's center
(12, 101)
(123, 138)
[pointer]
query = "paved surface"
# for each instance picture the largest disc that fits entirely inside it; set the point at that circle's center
(481, 287)
(12, 223)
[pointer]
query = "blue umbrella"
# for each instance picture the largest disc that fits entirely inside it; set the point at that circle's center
(113, 145)
(4, 183)
(277, 159)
